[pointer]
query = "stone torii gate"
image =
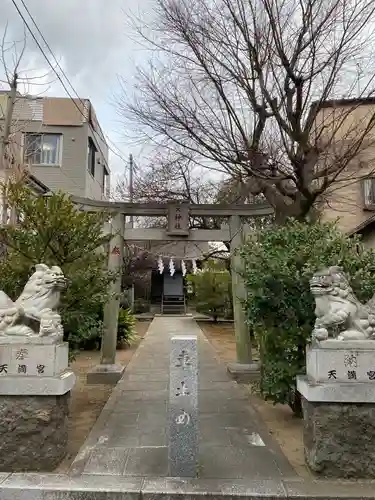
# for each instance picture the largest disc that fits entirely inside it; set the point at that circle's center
(108, 372)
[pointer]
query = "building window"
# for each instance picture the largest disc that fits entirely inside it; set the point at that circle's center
(91, 153)
(369, 192)
(105, 184)
(42, 149)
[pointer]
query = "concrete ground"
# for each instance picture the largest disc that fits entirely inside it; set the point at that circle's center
(130, 438)
(125, 456)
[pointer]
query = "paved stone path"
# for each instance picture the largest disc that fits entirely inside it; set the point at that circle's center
(130, 436)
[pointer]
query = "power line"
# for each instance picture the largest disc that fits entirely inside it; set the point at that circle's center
(43, 53)
(54, 70)
(59, 66)
(116, 153)
(49, 48)
(56, 61)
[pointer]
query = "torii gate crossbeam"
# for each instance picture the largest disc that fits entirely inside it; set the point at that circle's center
(108, 371)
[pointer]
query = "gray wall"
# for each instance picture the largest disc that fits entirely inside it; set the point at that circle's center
(73, 175)
(94, 185)
(70, 176)
(61, 116)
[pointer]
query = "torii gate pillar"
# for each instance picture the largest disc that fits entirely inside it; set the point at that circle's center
(244, 369)
(108, 372)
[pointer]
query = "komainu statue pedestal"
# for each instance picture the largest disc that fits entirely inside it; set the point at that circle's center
(338, 401)
(338, 390)
(35, 385)
(35, 381)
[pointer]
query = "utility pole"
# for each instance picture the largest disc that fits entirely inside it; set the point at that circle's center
(131, 186)
(4, 143)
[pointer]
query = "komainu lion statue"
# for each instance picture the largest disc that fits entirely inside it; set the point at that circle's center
(35, 311)
(339, 314)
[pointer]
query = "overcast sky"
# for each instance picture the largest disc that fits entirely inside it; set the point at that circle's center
(94, 43)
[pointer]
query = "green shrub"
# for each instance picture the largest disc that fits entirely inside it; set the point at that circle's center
(141, 306)
(87, 335)
(212, 290)
(126, 334)
(55, 232)
(279, 262)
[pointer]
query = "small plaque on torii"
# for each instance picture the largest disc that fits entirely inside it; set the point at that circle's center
(178, 219)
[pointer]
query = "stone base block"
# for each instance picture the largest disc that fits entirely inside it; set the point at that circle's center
(37, 386)
(244, 373)
(333, 361)
(33, 432)
(336, 392)
(339, 438)
(105, 374)
(36, 360)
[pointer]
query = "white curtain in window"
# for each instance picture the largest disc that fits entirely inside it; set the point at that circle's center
(42, 149)
(50, 149)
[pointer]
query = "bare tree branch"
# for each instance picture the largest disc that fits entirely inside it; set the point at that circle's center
(266, 92)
